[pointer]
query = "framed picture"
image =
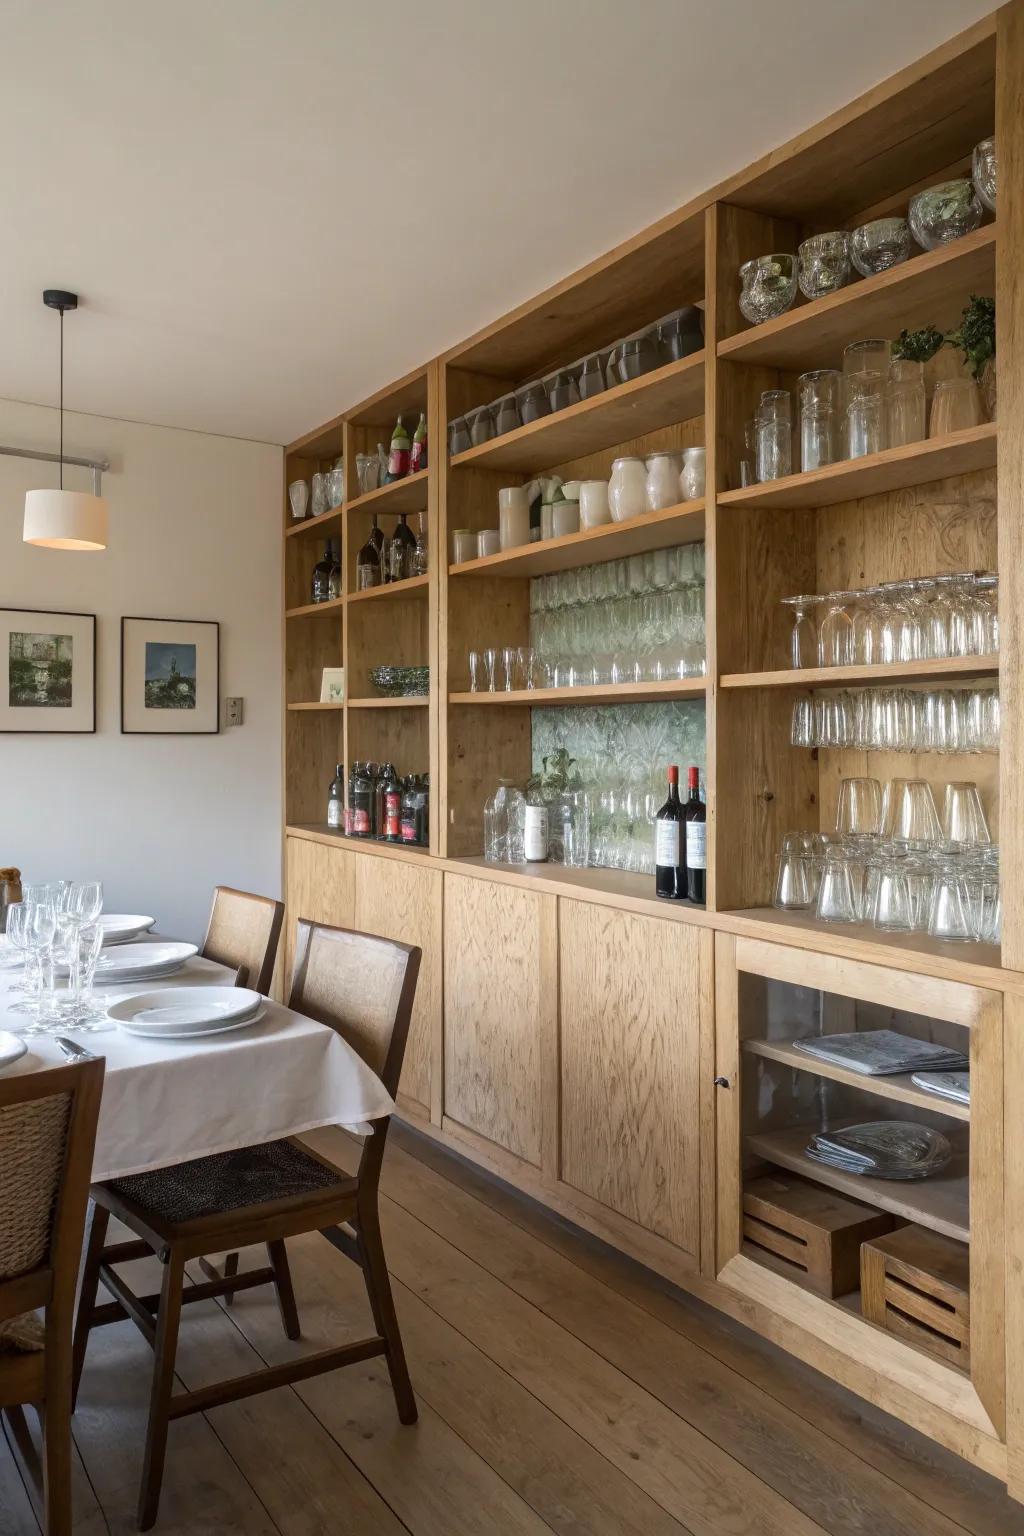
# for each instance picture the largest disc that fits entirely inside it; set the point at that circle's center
(170, 677)
(332, 685)
(49, 671)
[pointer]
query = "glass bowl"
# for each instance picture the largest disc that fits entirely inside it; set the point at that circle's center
(767, 287)
(944, 213)
(824, 264)
(882, 244)
(983, 172)
(415, 681)
(387, 680)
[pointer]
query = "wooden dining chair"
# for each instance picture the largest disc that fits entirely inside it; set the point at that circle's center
(243, 933)
(47, 1134)
(363, 987)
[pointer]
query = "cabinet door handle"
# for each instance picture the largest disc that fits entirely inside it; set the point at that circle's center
(722, 1082)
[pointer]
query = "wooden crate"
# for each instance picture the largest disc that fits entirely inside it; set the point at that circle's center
(817, 1232)
(915, 1283)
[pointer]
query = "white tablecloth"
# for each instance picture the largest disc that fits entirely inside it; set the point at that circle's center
(165, 1102)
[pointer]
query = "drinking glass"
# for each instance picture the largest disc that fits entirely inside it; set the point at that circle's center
(906, 407)
(963, 818)
(491, 668)
(477, 677)
(748, 462)
(803, 732)
(908, 811)
(950, 916)
(860, 807)
(510, 668)
(821, 394)
(892, 909)
(867, 629)
(17, 933)
(90, 1015)
(768, 287)
(836, 899)
(956, 405)
(880, 244)
(865, 413)
(803, 641)
(792, 881)
(774, 435)
(835, 634)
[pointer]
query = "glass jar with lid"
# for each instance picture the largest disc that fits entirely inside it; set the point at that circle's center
(627, 489)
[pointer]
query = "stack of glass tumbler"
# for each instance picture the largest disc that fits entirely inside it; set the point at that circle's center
(875, 402)
(893, 864)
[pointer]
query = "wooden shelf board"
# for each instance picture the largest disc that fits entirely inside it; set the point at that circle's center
(334, 605)
(416, 701)
(973, 963)
(408, 495)
(311, 524)
(928, 289)
(319, 831)
(897, 1087)
(621, 693)
(940, 1202)
(316, 706)
(659, 399)
(683, 524)
(390, 589)
(612, 886)
(944, 668)
(894, 470)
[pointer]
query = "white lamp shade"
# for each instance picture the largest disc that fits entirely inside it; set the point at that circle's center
(65, 520)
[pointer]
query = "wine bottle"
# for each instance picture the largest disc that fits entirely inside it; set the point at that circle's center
(336, 800)
(334, 580)
(401, 453)
(418, 457)
(321, 589)
(669, 869)
(696, 847)
(535, 835)
(369, 571)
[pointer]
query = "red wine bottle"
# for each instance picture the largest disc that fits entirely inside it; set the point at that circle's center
(696, 842)
(669, 868)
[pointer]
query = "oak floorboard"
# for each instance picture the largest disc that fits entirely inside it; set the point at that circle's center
(559, 1475)
(909, 1461)
(16, 1513)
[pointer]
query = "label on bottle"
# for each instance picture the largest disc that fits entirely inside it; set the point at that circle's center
(409, 827)
(666, 843)
(398, 460)
(418, 456)
(535, 836)
(335, 813)
(393, 815)
(696, 845)
(360, 821)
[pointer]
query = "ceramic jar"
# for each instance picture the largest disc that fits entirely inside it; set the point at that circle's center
(565, 518)
(692, 474)
(513, 516)
(463, 545)
(627, 489)
(594, 510)
(661, 487)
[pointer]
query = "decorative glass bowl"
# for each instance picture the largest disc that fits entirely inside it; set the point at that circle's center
(767, 287)
(983, 172)
(882, 244)
(943, 213)
(400, 682)
(824, 264)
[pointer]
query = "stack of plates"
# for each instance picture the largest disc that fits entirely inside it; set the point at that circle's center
(883, 1149)
(881, 1052)
(139, 962)
(119, 927)
(185, 1013)
(948, 1085)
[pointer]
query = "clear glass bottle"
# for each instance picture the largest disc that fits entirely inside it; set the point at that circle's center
(504, 820)
(906, 409)
(535, 825)
(420, 553)
(334, 580)
(320, 591)
(774, 435)
(336, 800)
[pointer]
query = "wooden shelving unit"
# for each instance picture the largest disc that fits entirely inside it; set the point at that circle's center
(898, 1087)
(530, 1053)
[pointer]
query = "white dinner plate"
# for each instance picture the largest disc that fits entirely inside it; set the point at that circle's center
(12, 1048)
(183, 1008)
(140, 961)
(195, 1032)
(118, 927)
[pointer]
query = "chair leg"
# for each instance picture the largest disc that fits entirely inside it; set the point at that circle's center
(56, 1425)
(278, 1256)
(382, 1305)
(168, 1318)
(99, 1221)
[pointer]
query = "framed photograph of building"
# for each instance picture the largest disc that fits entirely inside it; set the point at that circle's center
(170, 677)
(49, 671)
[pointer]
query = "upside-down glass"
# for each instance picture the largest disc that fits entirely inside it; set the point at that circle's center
(792, 881)
(908, 811)
(803, 640)
(906, 405)
(860, 808)
(963, 817)
(837, 901)
(835, 632)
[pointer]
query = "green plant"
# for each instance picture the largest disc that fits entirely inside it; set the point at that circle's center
(976, 334)
(918, 346)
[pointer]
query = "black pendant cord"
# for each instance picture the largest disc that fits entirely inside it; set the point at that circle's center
(62, 399)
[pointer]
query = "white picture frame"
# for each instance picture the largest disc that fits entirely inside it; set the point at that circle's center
(332, 685)
(48, 682)
(170, 677)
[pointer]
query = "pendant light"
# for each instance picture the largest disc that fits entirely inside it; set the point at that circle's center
(64, 519)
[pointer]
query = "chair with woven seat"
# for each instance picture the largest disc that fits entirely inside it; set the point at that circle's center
(243, 933)
(47, 1134)
(363, 987)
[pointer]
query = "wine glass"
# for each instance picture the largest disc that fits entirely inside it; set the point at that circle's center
(40, 929)
(803, 641)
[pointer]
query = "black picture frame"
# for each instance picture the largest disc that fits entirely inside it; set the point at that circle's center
(192, 624)
(22, 729)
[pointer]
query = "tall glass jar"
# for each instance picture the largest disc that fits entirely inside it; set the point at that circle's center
(627, 489)
(504, 824)
(906, 411)
(570, 816)
(865, 414)
(774, 435)
(821, 396)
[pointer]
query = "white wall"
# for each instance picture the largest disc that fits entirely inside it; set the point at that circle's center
(195, 528)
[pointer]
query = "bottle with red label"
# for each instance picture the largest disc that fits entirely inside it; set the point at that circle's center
(401, 453)
(695, 831)
(418, 457)
(359, 802)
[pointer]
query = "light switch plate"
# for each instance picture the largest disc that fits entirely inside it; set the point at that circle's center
(234, 711)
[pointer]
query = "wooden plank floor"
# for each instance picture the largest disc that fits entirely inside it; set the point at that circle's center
(561, 1388)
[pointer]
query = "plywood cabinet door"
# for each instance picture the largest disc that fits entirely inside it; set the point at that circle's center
(631, 991)
(320, 885)
(499, 1011)
(399, 901)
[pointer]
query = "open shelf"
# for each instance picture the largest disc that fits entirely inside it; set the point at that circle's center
(898, 1086)
(620, 693)
(670, 394)
(939, 669)
(416, 701)
(322, 521)
(967, 962)
(407, 495)
(939, 1202)
(333, 705)
(928, 289)
(683, 524)
(894, 470)
(333, 605)
(320, 830)
(390, 589)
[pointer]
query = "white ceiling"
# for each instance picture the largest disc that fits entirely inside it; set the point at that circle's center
(272, 209)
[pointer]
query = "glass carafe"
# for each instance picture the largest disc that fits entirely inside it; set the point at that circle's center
(504, 825)
(774, 435)
(821, 397)
(905, 403)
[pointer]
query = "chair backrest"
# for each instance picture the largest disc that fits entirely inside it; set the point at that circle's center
(243, 933)
(361, 985)
(47, 1134)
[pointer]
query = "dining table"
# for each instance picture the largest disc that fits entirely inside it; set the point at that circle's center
(168, 1101)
